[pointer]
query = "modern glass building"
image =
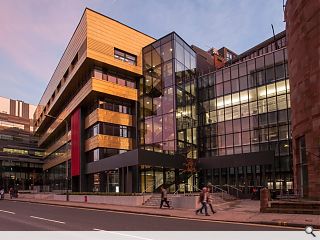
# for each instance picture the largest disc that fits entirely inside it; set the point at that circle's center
(20, 158)
(124, 112)
(244, 109)
(168, 117)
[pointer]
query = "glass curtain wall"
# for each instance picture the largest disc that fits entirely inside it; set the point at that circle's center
(167, 97)
(167, 101)
(246, 108)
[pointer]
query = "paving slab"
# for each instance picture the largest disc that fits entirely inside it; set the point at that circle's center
(241, 211)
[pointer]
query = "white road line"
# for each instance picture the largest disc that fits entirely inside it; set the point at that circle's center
(175, 217)
(49, 220)
(122, 234)
(7, 212)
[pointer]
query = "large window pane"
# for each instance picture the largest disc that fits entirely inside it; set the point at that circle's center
(167, 74)
(157, 129)
(168, 127)
(227, 87)
(166, 51)
(243, 83)
(156, 58)
(168, 100)
(235, 85)
(179, 53)
(226, 74)
(234, 72)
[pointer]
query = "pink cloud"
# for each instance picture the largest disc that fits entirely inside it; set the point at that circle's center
(34, 34)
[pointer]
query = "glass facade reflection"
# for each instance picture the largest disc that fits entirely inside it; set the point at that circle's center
(168, 97)
(245, 108)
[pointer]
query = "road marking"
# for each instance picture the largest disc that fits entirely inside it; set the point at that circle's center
(122, 234)
(173, 217)
(7, 212)
(49, 220)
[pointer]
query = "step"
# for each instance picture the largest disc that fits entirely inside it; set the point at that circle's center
(292, 211)
(299, 205)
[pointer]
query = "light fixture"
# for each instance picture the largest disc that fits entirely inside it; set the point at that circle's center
(148, 102)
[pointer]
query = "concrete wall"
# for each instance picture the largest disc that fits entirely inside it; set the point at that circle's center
(116, 200)
(36, 196)
(185, 202)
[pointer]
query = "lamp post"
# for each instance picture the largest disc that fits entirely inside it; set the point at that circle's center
(67, 163)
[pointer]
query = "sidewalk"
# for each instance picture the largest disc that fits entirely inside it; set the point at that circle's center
(240, 211)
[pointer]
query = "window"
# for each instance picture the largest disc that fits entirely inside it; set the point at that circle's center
(125, 57)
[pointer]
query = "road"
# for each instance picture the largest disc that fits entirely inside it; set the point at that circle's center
(23, 216)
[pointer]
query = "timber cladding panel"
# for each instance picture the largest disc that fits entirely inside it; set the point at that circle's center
(114, 89)
(59, 143)
(105, 34)
(102, 115)
(74, 47)
(106, 141)
(56, 161)
(92, 85)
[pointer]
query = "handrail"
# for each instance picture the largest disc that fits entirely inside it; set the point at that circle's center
(152, 185)
(216, 187)
(177, 190)
(233, 187)
(230, 186)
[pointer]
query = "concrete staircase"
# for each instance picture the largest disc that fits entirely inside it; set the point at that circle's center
(294, 207)
(220, 198)
(155, 199)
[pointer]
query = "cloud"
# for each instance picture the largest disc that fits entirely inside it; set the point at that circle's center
(34, 34)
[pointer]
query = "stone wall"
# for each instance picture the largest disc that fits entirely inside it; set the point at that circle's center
(303, 34)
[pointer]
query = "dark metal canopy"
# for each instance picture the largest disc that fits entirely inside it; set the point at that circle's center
(134, 158)
(237, 160)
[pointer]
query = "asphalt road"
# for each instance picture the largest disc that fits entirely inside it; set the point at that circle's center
(23, 216)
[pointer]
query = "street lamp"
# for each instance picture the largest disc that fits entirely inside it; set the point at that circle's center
(67, 163)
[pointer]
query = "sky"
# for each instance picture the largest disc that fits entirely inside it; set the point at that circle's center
(35, 33)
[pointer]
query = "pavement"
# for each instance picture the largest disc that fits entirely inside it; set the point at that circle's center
(27, 216)
(239, 211)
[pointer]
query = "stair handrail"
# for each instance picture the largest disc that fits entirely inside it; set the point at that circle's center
(222, 190)
(235, 188)
(216, 187)
(151, 186)
(177, 190)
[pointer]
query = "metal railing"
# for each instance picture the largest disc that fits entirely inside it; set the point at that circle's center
(152, 186)
(234, 188)
(219, 189)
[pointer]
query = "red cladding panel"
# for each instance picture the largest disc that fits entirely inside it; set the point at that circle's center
(75, 142)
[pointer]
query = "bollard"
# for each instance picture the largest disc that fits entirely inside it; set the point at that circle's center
(85, 199)
(264, 197)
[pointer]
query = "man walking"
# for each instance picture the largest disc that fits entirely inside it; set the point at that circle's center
(203, 200)
(164, 197)
(209, 199)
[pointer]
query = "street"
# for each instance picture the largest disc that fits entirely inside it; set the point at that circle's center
(23, 216)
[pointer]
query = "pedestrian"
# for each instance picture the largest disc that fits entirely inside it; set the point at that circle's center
(1, 193)
(11, 192)
(254, 195)
(209, 200)
(203, 200)
(164, 198)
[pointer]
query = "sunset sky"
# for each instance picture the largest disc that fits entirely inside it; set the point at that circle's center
(34, 33)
